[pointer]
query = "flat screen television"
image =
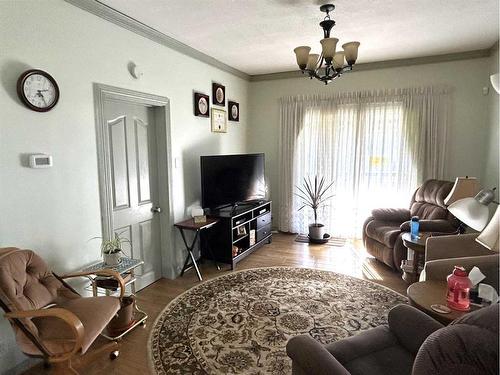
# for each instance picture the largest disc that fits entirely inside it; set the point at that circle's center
(227, 180)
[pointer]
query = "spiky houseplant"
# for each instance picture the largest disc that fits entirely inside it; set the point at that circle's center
(314, 194)
(111, 249)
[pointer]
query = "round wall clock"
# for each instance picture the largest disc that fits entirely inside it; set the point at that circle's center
(37, 90)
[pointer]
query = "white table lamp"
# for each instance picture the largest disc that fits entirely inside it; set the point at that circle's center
(473, 212)
(489, 236)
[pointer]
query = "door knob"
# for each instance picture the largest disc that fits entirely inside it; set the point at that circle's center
(156, 210)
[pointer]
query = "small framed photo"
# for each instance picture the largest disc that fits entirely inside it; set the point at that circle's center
(242, 231)
(218, 94)
(233, 111)
(219, 124)
(201, 105)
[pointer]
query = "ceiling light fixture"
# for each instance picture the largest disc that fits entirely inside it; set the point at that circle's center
(330, 64)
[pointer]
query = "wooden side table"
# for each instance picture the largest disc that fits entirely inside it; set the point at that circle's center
(426, 293)
(417, 244)
(190, 225)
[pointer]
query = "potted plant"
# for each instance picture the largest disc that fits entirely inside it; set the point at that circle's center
(112, 249)
(313, 195)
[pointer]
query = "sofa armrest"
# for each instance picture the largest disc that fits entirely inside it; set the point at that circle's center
(397, 215)
(312, 357)
(411, 326)
(441, 268)
(425, 225)
(454, 246)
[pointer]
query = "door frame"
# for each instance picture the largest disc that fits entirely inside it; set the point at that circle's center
(161, 106)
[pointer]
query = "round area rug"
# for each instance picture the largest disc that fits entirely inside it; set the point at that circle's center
(240, 323)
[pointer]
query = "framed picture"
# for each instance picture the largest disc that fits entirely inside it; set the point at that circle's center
(201, 105)
(242, 231)
(233, 111)
(218, 94)
(219, 124)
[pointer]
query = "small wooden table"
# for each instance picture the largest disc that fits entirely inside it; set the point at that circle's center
(197, 228)
(426, 293)
(417, 244)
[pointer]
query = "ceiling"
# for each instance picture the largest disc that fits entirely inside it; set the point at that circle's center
(258, 36)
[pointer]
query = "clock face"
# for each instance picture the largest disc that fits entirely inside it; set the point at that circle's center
(38, 90)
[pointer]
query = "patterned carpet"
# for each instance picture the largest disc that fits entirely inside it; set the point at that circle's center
(240, 323)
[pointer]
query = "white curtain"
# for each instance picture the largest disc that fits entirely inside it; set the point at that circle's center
(376, 146)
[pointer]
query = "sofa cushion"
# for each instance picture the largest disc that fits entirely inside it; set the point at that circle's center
(376, 351)
(428, 201)
(93, 312)
(383, 231)
(25, 280)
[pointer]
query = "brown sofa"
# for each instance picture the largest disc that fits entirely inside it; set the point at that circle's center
(442, 253)
(382, 231)
(412, 343)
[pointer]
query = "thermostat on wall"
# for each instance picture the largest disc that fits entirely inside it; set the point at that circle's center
(40, 161)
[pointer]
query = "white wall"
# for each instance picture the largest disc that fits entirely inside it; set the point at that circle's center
(491, 166)
(468, 134)
(56, 211)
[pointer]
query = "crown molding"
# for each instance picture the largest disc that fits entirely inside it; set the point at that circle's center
(112, 15)
(109, 14)
(388, 64)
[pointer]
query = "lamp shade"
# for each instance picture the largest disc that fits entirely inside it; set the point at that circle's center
(312, 61)
(338, 60)
(470, 212)
(464, 187)
(489, 236)
(328, 45)
(302, 54)
(351, 52)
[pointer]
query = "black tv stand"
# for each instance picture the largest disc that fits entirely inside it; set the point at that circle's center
(242, 228)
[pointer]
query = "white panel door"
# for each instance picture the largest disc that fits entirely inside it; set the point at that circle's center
(133, 159)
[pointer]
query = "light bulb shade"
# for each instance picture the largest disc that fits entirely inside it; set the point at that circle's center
(338, 60)
(464, 187)
(470, 212)
(328, 46)
(495, 82)
(312, 61)
(302, 55)
(489, 236)
(351, 52)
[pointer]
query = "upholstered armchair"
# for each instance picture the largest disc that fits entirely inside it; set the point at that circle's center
(382, 231)
(412, 343)
(50, 319)
(442, 253)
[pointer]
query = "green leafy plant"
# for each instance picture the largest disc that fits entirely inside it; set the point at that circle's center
(114, 245)
(313, 194)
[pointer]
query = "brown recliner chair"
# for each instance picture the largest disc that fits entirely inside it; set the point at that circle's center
(50, 319)
(383, 230)
(413, 343)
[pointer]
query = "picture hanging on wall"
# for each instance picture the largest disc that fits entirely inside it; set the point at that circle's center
(201, 105)
(219, 124)
(233, 111)
(218, 94)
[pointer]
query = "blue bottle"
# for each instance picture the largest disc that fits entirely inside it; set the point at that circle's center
(414, 226)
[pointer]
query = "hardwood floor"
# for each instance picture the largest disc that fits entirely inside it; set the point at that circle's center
(283, 251)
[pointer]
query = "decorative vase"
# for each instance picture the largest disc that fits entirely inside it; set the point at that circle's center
(112, 259)
(316, 231)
